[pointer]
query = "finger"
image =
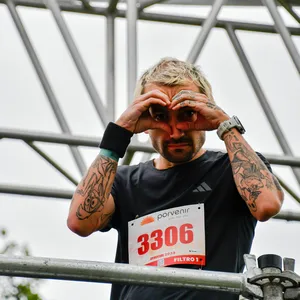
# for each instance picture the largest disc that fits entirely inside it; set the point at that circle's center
(153, 101)
(188, 103)
(154, 94)
(182, 92)
(185, 126)
(188, 95)
(198, 125)
(145, 105)
(161, 126)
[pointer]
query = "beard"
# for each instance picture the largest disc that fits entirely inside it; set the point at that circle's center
(180, 155)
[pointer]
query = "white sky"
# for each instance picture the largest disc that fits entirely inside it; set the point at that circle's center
(40, 222)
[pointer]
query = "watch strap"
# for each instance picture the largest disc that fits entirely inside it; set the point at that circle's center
(225, 126)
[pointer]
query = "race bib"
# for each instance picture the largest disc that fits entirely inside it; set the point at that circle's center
(168, 237)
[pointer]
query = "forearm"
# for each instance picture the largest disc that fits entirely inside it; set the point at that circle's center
(255, 183)
(92, 206)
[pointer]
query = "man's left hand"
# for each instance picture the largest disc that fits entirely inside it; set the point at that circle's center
(209, 115)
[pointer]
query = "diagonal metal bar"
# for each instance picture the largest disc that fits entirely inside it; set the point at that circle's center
(132, 15)
(52, 162)
(284, 33)
(288, 189)
(44, 81)
(67, 139)
(86, 4)
(261, 97)
(148, 3)
(110, 66)
(86, 78)
(112, 6)
(209, 23)
(289, 9)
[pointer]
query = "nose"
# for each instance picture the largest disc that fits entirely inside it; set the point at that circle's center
(176, 133)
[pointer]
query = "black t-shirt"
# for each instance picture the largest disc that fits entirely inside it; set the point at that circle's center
(229, 226)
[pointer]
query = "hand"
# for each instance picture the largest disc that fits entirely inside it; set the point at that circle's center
(209, 115)
(136, 117)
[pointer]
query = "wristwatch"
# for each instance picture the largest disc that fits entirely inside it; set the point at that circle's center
(233, 122)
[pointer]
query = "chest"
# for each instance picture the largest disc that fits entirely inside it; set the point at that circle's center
(214, 188)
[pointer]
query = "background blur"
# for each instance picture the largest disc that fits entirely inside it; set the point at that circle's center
(40, 222)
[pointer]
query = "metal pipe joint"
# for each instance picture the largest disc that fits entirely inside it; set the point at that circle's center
(268, 281)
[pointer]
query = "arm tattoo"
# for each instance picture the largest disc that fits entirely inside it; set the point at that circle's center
(96, 187)
(250, 173)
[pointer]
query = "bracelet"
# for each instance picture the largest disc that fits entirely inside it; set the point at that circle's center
(109, 154)
(116, 139)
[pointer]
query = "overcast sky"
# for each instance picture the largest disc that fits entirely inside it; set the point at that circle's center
(41, 222)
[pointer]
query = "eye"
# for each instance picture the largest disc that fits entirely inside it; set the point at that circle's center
(159, 113)
(187, 115)
(160, 117)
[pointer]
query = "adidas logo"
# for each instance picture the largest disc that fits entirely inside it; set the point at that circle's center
(203, 187)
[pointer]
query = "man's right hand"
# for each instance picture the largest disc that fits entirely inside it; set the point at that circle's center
(136, 118)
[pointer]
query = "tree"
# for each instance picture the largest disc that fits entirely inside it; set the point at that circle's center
(13, 288)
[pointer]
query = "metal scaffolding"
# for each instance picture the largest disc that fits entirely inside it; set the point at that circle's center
(134, 12)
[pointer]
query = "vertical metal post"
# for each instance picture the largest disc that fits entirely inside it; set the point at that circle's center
(282, 30)
(271, 264)
(44, 81)
(54, 8)
(132, 14)
(209, 23)
(272, 291)
(261, 97)
(112, 6)
(110, 65)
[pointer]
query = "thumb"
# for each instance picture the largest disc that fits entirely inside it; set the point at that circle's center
(186, 126)
(161, 125)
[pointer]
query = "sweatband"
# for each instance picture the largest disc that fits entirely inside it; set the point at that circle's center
(116, 139)
(109, 154)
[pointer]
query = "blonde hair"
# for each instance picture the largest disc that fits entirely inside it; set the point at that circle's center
(171, 72)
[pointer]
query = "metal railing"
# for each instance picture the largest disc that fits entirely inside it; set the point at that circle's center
(265, 281)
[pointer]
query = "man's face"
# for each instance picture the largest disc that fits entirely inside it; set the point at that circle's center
(176, 146)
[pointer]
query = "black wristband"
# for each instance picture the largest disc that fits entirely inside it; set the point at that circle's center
(116, 139)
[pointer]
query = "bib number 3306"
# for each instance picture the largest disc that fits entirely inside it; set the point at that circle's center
(169, 237)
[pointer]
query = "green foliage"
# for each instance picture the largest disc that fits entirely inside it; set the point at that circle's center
(13, 288)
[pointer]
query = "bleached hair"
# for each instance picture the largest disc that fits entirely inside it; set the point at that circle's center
(171, 72)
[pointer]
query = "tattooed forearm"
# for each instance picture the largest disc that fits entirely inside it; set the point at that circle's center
(96, 187)
(250, 173)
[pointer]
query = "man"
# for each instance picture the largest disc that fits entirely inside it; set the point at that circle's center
(188, 207)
